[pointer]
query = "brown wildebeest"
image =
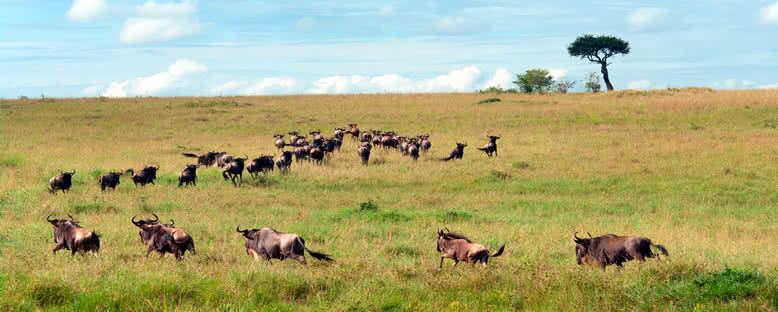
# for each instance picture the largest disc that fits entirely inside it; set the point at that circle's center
(69, 234)
(613, 249)
(279, 142)
(457, 152)
(285, 162)
(271, 244)
(188, 175)
(460, 248)
(364, 152)
(353, 131)
(110, 179)
(207, 159)
(490, 147)
(61, 182)
(425, 142)
(164, 238)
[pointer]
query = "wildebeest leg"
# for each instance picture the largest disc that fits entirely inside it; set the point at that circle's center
(224, 174)
(149, 251)
(441, 261)
(456, 262)
(58, 247)
(300, 259)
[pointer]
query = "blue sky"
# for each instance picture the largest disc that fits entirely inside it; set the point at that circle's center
(167, 48)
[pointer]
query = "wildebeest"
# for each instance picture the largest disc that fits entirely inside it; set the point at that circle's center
(293, 138)
(110, 179)
(285, 162)
(425, 142)
(62, 181)
(271, 244)
(413, 149)
(164, 238)
(223, 159)
(339, 133)
(207, 159)
(234, 170)
(364, 152)
(460, 248)
(613, 249)
(263, 163)
(301, 153)
(69, 234)
(353, 130)
(490, 147)
(279, 142)
(317, 154)
(457, 152)
(145, 176)
(188, 175)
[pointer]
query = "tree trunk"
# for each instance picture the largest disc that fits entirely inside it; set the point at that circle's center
(604, 70)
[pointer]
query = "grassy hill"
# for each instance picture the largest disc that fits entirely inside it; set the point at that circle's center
(692, 169)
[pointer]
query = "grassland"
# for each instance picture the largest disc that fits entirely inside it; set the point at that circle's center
(692, 169)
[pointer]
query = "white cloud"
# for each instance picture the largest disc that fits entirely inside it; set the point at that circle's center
(155, 83)
(460, 80)
(160, 22)
(769, 14)
(558, 73)
(386, 10)
(730, 83)
(644, 19)
(92, 90)
(85, 10)
(638, 85)
(458, 25)
(748, 83)
(274, 85)
(502, 79)
(769, 86)
(227, 87)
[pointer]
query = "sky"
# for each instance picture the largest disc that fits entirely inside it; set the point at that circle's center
(87, 48)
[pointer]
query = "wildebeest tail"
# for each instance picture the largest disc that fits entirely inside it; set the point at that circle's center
(316, 255)
(661, 248)
(447, 158)
(483, 149)
(190, 155)
(94, 240)
(499, 252)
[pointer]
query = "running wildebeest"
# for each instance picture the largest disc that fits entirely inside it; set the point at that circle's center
(457, 152)
(271, 244)
(317, 154)
(69, 234)
(613, 249)
(353, 131)
(234, 170)
(188, 175)
(285, 162)
(145, 176)
(164, 238)
(263, 163)
(490, 147)
(223, 159)
(294, 136)
(413, 149)
(110, 179)
(425, 142)
(460, 248)
(207, 159)
(63, 181)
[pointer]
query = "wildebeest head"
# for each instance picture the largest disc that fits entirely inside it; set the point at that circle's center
(141, 223)
(581, 247)
(494, 138)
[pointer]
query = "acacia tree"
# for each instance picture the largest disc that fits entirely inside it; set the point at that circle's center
(597, 49)
(534, 80)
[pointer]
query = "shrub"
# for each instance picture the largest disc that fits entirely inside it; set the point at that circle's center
(489, 100)
(534, 80)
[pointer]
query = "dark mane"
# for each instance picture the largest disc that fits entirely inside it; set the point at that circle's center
(455, 235)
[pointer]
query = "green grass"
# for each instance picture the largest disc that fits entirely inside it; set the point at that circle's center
(692, 169)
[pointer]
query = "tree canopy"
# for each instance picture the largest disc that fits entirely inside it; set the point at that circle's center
(597, 49)
(534, 80)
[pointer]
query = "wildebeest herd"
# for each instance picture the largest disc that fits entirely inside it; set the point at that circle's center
(267, 243)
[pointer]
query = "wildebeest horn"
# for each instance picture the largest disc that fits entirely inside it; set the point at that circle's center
(155, 217)
(74, 172)
(239, 231)
(48, 218)
(172, 223)
(575, 236)
(590, 234)
(133, 220)
(71, 218)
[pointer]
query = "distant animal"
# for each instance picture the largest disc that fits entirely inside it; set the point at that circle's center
(285, 162)
(269, 244)
(613, 249)
(207, 159)
(110, 179)
(317, 155)
(279, 142)
(234, 171)
(223, 159)
(364, 153)
(490, 147)
(301, 153)
(61, 182)
(339, 133)
(145, 176)
(353, 131)
(460, 248)
(164, 238)
(262, 164)
(69, 235)
(425, 142)
(413, 149)
(188, 175)
(457, 152)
